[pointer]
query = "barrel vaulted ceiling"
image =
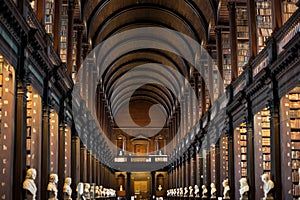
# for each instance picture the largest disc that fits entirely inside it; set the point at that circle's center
(105, 18)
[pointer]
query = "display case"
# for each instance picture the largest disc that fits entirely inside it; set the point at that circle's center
(262, 148)
(7, 127)
(263, 21)
(290, 137)
(53, 141)
(240, 150)
(226, 58)
(242, 37)
(288, 8)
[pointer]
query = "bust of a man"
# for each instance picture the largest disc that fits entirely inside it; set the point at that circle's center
(79, 190)
(244, 188)
(226, 193)
(29, 184)
(191, 191)
(67, 189)
(196, 187)
(86, 192)
(186, 191)
(213, 190)
(51, 188)
(268, 186)
(204, 191)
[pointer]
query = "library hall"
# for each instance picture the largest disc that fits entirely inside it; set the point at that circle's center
(149, 99)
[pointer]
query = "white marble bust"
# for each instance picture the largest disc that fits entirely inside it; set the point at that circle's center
(29, 184)
(181, 192)
(67, 188)
(191, 191)
(86, 191)
(51, 188)
(268, 186)
(196, 188)
(79, 190)
(186, 192)
(244, 188)
(213, 190)
(226, 193)
(204, 191)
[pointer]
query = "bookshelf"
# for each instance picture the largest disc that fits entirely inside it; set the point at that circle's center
(288, 8)
(262, 148)
(53, 141)
(240, 150)
(290, 127)
(264, 21)
(226, 58)
(28, 125)
(49, 16)
(74, 52)
(67, 150)
(224, 157)
(7, 126)
(64, 31)
(242, 37)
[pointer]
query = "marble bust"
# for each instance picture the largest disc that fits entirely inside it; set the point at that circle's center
(51, 188)
(186, 191)
(67, 189)
(191, 191)
(204, 191)
(244, 188)
(213, 191)
(226, 193)
(79, 190)
(267, 187)
(196, 188)
(86, 192)
(181, 192)
(29, 184)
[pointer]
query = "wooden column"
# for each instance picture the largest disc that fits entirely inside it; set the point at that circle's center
(275, 142)
(41, 11)
(75, 160)
(128, 190)
(19, 168)
(233, 40)
(61, 155)
(231, 155)
(187, 170)
(276, 15)
(203, 96)
(252, 28)
(79, 29)
(217, 168)
(71, 8)
(250, 151)
(219, 58)
(193, 169)
(153, 192)
(83, 163)
(89, 166)
(45, 143)
(57, 26)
